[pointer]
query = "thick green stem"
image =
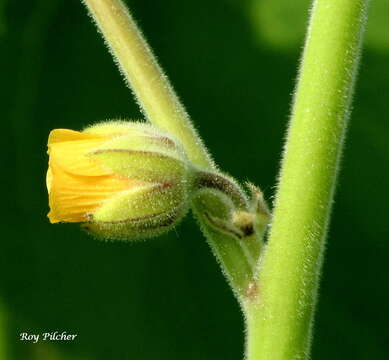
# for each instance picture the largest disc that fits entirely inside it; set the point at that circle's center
(279, 318)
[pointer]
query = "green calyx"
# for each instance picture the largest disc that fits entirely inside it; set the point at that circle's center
(158, 176)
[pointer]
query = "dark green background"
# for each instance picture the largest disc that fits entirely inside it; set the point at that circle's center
(233, 63)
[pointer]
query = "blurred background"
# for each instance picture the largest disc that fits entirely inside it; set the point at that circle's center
(234, 65)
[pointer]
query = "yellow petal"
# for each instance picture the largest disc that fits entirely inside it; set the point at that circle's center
(77, 184)
(49, 180)
(68, 149)
(61, 135)
(73, 197)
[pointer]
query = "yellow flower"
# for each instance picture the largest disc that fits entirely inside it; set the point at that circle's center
(126, 180)
(76, 183)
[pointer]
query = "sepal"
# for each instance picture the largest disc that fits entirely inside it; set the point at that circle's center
(140, 213)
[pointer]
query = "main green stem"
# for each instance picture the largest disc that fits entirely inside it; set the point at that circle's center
(279, 318)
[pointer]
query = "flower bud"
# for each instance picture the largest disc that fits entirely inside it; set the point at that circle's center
(123, 180)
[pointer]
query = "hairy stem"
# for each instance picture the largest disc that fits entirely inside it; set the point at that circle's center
(151, 87)
(279, 319)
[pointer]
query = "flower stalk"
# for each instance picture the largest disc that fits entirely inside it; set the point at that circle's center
(151, 87)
